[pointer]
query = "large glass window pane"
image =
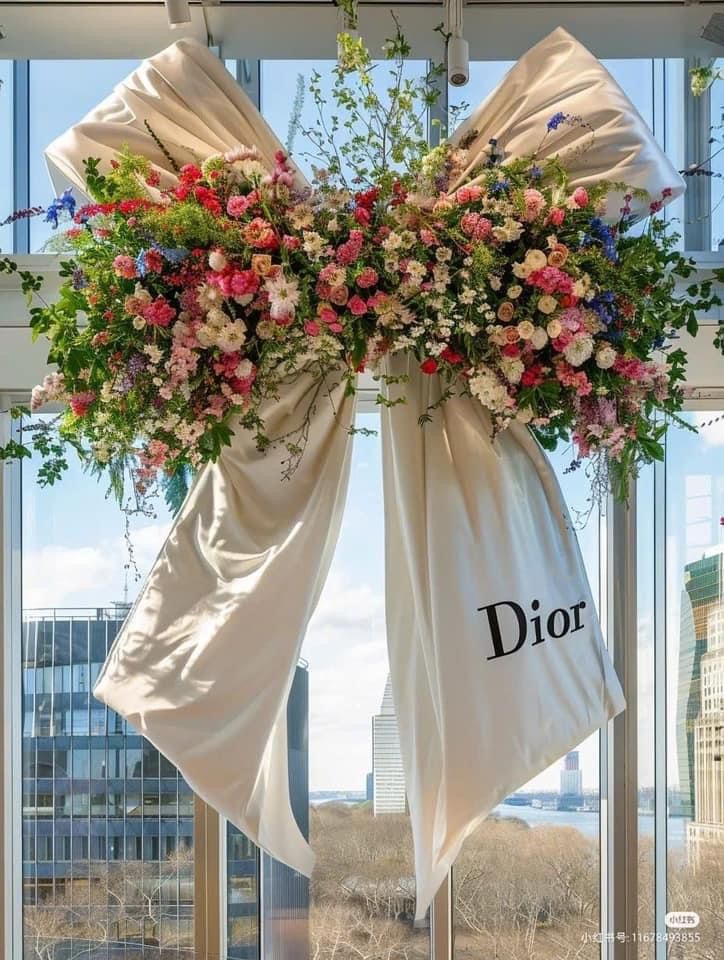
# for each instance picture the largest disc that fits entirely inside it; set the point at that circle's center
(84, 83)
(527, 880)
(6, 153)
(695, 666)
(98, 882)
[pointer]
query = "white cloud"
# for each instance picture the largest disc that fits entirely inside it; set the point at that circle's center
(713, 436)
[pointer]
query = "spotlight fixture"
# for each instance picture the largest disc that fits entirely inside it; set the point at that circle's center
(458, 52)
(178, 12)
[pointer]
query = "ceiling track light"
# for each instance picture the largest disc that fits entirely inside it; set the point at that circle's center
(178, 12)
(458, 52)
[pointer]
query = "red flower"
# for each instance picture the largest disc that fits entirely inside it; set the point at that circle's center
(451, 356)
(362, 216)
(429, 366)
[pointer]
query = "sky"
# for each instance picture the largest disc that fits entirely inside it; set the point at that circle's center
(74, 551)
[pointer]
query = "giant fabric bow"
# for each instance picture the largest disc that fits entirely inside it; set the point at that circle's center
(497, 661)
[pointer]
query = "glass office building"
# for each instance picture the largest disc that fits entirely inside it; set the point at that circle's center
(108, 821)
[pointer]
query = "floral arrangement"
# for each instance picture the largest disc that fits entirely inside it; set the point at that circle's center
(181, 312)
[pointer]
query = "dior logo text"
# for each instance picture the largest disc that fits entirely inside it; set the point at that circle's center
(510, 626)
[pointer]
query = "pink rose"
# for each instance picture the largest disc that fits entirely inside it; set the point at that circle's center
(125, 266)
(580, 197)
(357, 306)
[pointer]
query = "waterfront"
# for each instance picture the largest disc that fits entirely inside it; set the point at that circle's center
(587, 821)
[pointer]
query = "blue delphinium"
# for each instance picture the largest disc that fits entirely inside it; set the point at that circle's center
(556, 120)
(62, 204)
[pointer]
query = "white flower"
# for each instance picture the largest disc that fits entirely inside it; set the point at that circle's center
(539, 338)
(467, 295)
(525, 330)
(244, 369)
(443, 254)
(217, 261)
(524, 415)
(536, 259)
(554, 329)
(313, 244)
(514, 291)
(521, 270)
(512, 369)
(495, 283)
(139, 322)
(265, 329)
(208, 296)
(392, 242)
(232, 336)
(283, 296)
(605, 357)
(489, 390)
(547, 304)
(579, 350)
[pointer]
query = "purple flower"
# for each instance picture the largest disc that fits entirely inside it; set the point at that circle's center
(64, 203)
(556, 120)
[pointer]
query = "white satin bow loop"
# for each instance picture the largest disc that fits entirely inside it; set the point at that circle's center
(206, 658)
(559, 75)
(190, 102)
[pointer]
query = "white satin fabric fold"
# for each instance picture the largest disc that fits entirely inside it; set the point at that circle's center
(560, 75)
(188, 99)
(471, 522)
(205, 660)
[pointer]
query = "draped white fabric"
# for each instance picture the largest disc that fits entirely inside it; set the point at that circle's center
(490, 685)
(186, 97)
(205, 660)
(560, 75)
(496, 656)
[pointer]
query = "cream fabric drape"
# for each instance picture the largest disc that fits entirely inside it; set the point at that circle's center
(473, 522)
(191, 103)
(559, 75)
(205, 660)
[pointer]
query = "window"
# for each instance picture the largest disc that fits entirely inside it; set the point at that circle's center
(92, 808)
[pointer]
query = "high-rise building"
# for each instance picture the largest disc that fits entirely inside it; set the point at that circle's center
(707, 826)
(703, 593)
(388, 775)
(571, 790)
(108, 821)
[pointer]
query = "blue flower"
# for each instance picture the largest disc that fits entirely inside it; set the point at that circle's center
(64, 203)
(556, 120)
(602, 304)
(535, 172)
(500, 186)
(172, 254)
(141, 268)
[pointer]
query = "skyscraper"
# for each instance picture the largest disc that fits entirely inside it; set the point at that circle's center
(703, 592)
(707, 826)
(388, 776)
(571, 789)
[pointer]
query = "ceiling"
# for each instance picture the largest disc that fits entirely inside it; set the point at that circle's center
(499, 30)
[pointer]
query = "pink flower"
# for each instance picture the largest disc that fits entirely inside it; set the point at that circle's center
(357, 306)
(244, 282)
(339, 295)
(367, 278)
(327, 314)
(237, 206)
(159, 313)
(428, 237)
(580, 197)
(312, 328)
(468, 194)
(556, 216)
(291, 243)
(125, 266)
(80, 402)
(476, 226)
(551, 280)
(534, 203)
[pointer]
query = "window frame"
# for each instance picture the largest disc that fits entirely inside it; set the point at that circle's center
(618, 766)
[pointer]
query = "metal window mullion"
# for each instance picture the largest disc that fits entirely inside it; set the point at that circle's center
(697, 200)
(622, 768)
(21, 152)
(661, 826)
(10, 703)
